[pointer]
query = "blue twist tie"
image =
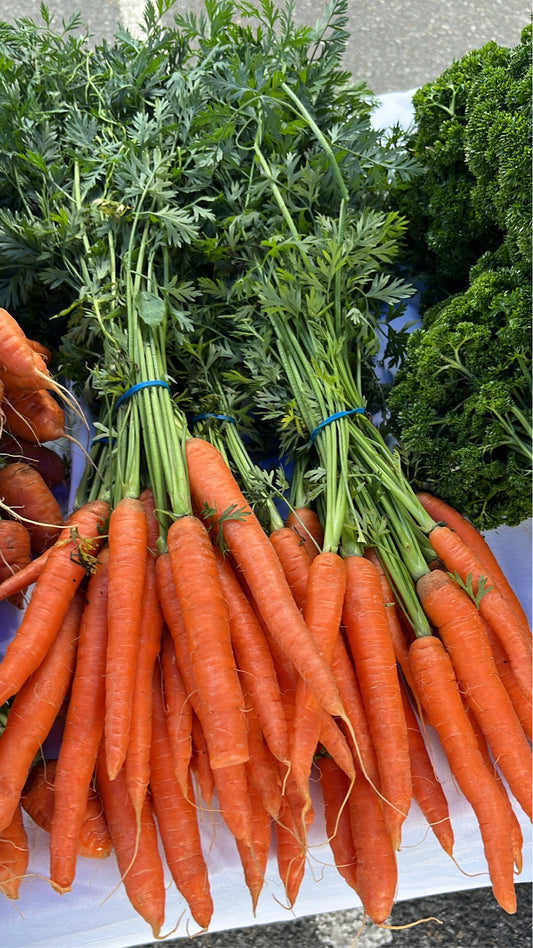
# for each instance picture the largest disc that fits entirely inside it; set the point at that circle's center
(137, 388)
(209, 414)
(335, 417)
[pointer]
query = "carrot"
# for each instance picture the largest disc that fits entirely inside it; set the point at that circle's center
(523, 707)
(295, 561)
(439, 694)
(214, 486)
(427, 790)
(254, 660)
(136, 848)
(368, 635)
(442, 512)
(83, 730)
(48, 462)
(454, 615)
(35, 709)
(396, 627)
(516, 830)
(261, 769)
(62, 573)
(27, 496)
(128, 545)
(200, 765)
(14, 855)
(173, 617)
(35, 416)
(206, 621)
(376, 870)
(17, 583)
(15, 553)
(231, 784)
(290, 855)
(30, 573)
(361, 741)
(178, 710)
(17, 355)
(323, 612)
(254, 858)
(335, 787)
(38, 802)
(333, 739)
(493, 606)
(177, 819)
(305, 522)
(138, 753)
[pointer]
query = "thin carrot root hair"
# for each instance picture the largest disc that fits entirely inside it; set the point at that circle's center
(418, 921)
(13, 512)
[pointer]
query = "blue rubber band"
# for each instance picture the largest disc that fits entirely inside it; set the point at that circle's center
(209, 414)
(137, 388)
(335, 417)
(103, 439)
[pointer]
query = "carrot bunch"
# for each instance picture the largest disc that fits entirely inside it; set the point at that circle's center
(30, 413)
(224, 691)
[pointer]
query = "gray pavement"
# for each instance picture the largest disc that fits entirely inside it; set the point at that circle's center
(394, 46)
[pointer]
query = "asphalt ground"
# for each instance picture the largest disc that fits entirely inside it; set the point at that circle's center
(394, 46)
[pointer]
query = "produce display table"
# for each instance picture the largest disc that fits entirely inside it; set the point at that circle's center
(97, 911)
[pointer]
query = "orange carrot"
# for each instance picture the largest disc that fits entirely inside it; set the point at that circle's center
(376, 870)
(444, 513)
(335, 787)
(323, 612)
(427, 790)
(305, 522)
(214, 486)
(28, 497)
(254, 660)
(15, 553)
(35, 709)
(14, 855)
(38, 801)
(16, 353)
(83, 730)
(128, 546)
(261, 769)
(516, 830)
(173, 617)
(36, 416)
(397, 630)
(136, 848)
(254, 858)
(295, 561)
(453, 613)
(178, 710)
(177, 819)
(290, 855)
(138, 754)
(231, 784)
(61, 575)
(30, 573)
(493, 606)
(368, 634)
(206, 621)
(523, 707)
(439, 694)
(361, 740)
(200, 765)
